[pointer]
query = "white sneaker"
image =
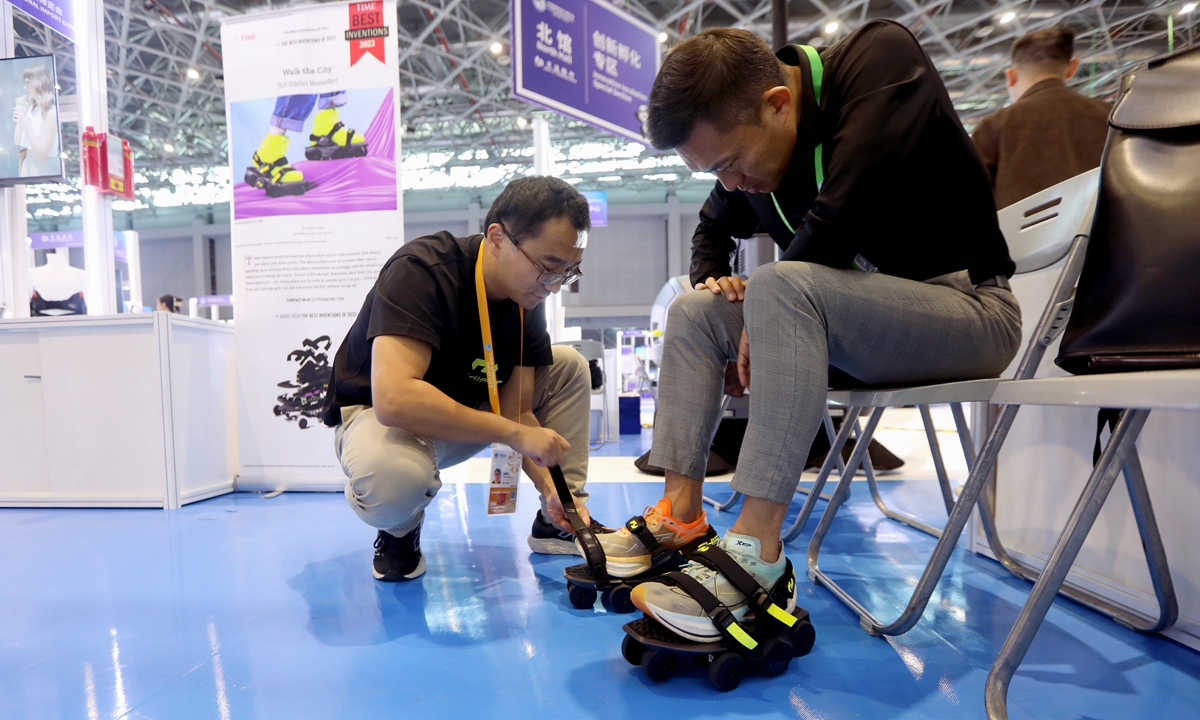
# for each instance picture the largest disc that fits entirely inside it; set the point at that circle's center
(682, 614)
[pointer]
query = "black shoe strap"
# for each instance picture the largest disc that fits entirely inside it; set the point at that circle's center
(637, 526)
(715, 558)
(722, 618)
(593, 552)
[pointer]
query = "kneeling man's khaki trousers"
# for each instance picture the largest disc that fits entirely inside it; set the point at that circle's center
(394, 473)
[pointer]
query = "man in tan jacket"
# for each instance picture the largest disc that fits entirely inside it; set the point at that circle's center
(1049, 133)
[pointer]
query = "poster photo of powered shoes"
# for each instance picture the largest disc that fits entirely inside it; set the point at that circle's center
(314, 154)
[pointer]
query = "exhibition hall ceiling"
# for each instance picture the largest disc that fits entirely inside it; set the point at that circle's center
(462, 128)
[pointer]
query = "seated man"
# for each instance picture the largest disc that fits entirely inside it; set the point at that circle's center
(893, 271)
(410, 394)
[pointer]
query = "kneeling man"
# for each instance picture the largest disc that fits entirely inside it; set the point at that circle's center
(410, 391)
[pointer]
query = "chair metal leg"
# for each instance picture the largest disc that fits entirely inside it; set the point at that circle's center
(733, 499)
(1156, 557)
(835, 451)
(964, 434)
(829, 433)
(976, 481)
(1047, 587)
(873, 485)
(938, 463)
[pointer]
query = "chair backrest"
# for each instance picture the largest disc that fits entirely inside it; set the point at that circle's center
(1040, 228)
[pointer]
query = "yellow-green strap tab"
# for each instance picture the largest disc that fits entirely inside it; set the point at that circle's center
(737, 633)
(781, 615)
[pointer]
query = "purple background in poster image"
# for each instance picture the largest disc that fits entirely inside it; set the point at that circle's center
(585, 58)
(340, 186)
(58, 15)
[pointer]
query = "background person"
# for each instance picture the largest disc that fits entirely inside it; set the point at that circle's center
(1049, 134)
(409, 392)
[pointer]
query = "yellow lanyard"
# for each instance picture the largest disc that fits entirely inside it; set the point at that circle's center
(485, 327)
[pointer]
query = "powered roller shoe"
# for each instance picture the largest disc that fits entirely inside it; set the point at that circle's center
(649, 546)
(727, 610)
(271, 171)
(331, 140)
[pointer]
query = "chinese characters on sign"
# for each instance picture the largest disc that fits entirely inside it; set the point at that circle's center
(586, 59)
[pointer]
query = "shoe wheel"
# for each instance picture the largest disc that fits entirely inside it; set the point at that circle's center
(581, 597)
(632, 650)
(727, 671)
(618, 599)
(804, 635)
(657, 665)
(777, 658)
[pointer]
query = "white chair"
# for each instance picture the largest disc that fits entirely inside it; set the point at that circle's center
(1037, 230)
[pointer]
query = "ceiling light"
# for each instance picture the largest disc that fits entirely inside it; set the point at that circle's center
(831, 28)
(984, 31)
(1187, 8)
(193, 73)
(497, 48)
(522, 122)
(662, 37)
(168, 147)
(1007, 17)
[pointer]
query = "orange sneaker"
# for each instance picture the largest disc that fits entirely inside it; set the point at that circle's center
(628, 556)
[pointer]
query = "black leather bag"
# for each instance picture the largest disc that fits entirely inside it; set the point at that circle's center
(1137, 305)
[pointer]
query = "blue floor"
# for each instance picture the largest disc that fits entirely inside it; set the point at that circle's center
(247, 607)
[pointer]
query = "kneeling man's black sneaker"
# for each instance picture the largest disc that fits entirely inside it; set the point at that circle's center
(546, 539)
(398, 558)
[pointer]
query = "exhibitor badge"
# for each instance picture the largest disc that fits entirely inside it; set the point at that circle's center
(367, 31)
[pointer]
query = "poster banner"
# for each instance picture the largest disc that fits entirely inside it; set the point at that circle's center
(586, 59)
(315, 88)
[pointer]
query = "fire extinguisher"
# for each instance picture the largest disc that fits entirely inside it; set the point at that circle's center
(92, 159)
(128, 153)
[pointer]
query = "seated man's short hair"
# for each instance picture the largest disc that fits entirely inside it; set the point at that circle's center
(717, 77)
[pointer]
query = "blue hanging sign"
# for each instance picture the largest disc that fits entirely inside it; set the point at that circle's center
(58, 15)
(586, 59)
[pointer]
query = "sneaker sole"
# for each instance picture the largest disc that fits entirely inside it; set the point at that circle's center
(416, 572)
(688, 627)
(627, 568)
(552, 546)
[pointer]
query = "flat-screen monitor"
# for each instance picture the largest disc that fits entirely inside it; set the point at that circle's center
(30, 131)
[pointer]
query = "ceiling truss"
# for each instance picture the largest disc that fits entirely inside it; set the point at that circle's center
(456, 96)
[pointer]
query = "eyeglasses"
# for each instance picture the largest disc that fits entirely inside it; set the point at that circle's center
(547, 277)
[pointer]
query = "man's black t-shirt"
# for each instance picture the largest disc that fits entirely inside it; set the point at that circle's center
(427, 291)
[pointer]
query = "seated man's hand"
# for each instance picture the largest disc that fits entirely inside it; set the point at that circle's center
(733, 288)
(733, 385)
(558, 517)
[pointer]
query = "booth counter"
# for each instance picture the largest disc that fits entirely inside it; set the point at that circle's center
(131, 410)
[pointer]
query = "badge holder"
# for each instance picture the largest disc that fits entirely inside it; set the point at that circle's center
(504, 480)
